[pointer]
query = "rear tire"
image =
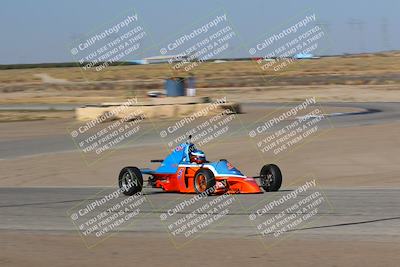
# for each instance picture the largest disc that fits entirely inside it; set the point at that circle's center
(204, 180)
(271, 178)
(130, 181)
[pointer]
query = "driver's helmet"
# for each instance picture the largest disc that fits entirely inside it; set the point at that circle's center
(197, 156)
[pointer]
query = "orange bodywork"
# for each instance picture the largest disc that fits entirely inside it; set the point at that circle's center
(183, 181)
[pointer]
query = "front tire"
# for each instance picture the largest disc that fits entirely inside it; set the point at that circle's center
(271, 178)
(130, 181)
(204, 180)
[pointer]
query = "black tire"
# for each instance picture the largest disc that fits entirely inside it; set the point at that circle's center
(204, 180)
(271, 178)
(130, 181)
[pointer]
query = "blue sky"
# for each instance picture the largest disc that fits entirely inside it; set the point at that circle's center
(42, 30)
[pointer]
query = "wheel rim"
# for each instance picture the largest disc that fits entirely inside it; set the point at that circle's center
(269, 179)
(201, 183)
(126, 180)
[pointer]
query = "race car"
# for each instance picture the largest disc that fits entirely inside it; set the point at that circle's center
(186, 170)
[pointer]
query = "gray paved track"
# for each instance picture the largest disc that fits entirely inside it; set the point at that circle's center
(356, 213)
(61, 142)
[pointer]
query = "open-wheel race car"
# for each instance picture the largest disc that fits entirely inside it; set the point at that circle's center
(186, 170)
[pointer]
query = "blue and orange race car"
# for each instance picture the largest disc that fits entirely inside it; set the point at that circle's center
(186, 170)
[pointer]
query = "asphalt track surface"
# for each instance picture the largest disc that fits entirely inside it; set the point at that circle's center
(372, 214)
(372, 113)
(362, 213)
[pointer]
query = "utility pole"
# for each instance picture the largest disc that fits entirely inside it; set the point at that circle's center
(358, 25)
(385, 35)
(326, 28)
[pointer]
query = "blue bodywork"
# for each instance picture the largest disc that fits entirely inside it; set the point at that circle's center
(224, 168)
(180, 155)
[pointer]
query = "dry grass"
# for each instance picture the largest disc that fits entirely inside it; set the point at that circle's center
(9, 116)
(372, 64)
(117, 83)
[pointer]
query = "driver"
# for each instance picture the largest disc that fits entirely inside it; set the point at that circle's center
(197, 156)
